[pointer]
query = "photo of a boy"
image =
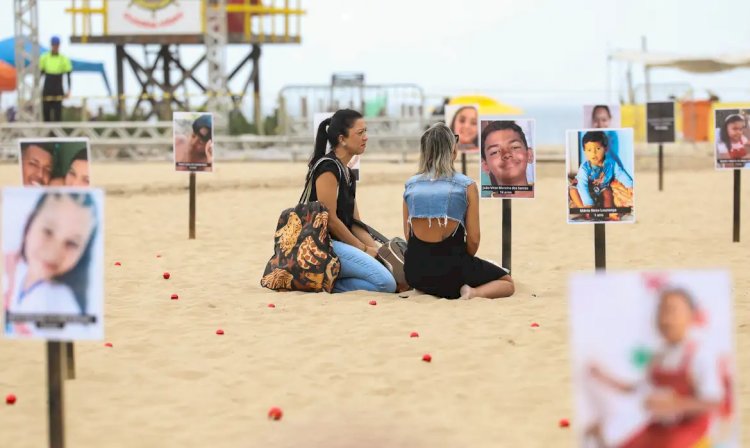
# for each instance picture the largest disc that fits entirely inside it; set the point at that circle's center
(601, 189)
(507, 166)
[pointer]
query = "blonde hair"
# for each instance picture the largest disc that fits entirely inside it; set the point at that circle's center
(436, 151)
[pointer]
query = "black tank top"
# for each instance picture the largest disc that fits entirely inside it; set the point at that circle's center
(347, 188)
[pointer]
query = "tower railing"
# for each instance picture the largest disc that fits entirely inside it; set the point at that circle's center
(253, 21)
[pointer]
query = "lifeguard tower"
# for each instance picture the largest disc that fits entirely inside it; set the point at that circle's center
(158, 28)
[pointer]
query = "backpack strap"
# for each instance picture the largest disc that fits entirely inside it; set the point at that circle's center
(377, 236)
(307, 192)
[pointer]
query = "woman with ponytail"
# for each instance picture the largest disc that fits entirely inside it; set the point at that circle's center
(333, 184)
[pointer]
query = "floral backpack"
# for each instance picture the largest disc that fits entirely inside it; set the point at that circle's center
(303, 258)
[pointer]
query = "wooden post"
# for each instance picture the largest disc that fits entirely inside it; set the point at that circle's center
(119, 60)
(55, 387)
(661, 166)
(70, 361)
(506, 233)
(192, 206)
(736, 217)
(600, 247)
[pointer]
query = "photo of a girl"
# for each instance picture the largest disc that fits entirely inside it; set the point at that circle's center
(53, 248)
(601, 116)
(732, 138)
(678, 391)
(463, 120)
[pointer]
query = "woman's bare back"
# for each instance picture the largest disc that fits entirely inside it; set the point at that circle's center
(436, 231)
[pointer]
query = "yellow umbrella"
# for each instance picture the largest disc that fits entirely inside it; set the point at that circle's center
(487, 105)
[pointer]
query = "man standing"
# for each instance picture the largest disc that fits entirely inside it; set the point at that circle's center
(53, 66)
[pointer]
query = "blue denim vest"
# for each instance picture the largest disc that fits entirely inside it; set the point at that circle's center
(443, 198)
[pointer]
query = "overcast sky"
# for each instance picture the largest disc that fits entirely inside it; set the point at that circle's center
(527, 51)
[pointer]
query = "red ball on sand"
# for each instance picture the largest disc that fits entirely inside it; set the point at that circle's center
(275, 413)
(372, 302)
(534, 325)
(564, 423)
(174, 297)
(10, 399)
(271, 305)
(414, 334)
(166, 275)
(108, 344)
(219, 331)
(427, 357)
(117, 263)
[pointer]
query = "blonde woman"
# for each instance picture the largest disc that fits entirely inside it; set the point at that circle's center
(441, 225)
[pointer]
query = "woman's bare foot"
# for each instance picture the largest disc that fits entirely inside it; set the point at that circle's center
(467, 292)
(409, 293)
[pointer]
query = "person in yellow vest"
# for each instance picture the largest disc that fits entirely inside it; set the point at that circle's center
(53, 66)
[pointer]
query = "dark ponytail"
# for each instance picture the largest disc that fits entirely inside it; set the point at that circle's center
(321, 141)
(330, 129)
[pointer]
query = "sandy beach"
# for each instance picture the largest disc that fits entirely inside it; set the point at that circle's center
(346, 373)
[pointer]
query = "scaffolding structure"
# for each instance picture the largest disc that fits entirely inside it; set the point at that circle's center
(216, 42)
(26, 31)
(161, 72)
(390, 109)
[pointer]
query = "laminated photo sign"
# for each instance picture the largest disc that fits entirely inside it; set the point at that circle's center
(660, 122)
(653, 359)
(53, 247)
(601, 116)
(508, 168)
(600, 165)
(463, 120)
(55, 162)
(193, 134)
(732, 138)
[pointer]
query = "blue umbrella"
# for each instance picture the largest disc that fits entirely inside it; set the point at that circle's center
(8, 55)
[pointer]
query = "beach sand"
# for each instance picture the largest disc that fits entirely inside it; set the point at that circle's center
(345, 373)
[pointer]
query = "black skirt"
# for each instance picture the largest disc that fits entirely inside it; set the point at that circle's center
(441, 269)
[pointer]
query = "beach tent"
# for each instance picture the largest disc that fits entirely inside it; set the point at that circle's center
(487, 105)
(8, 55)
(691, 64)
(7, 77)
(694, 118)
